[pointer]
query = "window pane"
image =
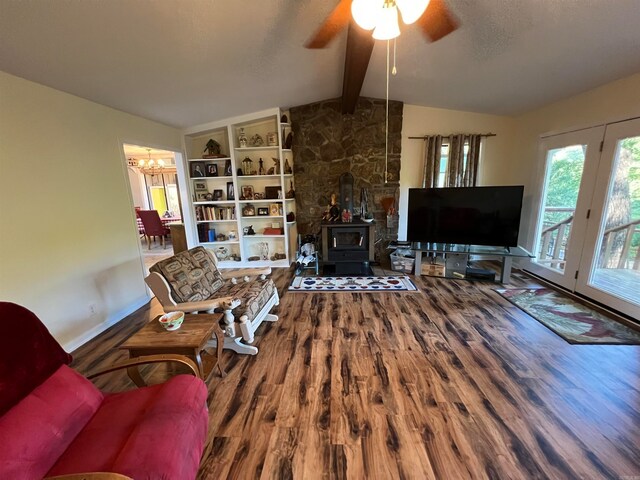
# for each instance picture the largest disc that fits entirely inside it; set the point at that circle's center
(562, 185)
(617, 270)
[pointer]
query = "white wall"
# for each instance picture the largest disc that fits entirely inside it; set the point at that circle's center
(67, 228)
(496, 167)
(611, 102)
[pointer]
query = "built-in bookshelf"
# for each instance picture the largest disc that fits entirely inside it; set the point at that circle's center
(240, 185)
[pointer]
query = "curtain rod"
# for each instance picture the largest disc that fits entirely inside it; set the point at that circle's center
(424, 137)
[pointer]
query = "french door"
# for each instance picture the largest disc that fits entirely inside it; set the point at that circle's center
(588, 225)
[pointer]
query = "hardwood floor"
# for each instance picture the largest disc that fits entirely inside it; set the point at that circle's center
(452, 382)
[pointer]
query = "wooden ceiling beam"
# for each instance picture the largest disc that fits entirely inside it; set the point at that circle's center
(356, 61)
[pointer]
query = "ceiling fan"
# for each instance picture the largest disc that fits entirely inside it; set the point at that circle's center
(433, 17)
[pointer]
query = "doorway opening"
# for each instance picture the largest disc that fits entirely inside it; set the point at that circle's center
(156, 200)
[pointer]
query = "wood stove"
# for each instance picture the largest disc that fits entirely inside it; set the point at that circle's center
(347, 248)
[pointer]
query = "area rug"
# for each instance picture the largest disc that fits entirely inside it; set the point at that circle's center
(352, 284)
(575, 322)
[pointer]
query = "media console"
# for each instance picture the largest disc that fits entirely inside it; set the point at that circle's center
(454, 258)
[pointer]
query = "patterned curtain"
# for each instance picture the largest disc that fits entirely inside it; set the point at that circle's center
(432, 147)
(459, 173)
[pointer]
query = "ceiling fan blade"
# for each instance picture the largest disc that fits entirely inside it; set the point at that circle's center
(437, 21)
(337, 20)
(356, 61)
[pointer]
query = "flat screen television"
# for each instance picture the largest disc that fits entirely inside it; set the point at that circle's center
(465, 215)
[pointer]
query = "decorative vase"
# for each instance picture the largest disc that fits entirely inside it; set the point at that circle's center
(263, 248)
(242, 138)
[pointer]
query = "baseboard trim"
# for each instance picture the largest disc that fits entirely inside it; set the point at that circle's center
(111, 320)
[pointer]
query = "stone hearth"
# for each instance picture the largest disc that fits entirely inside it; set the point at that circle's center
(327, 144)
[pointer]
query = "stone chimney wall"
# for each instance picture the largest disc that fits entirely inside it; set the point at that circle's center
(327, 144)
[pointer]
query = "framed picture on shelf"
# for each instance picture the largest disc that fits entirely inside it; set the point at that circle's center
(217, 194)
(212, 170)
(263, 211)
(230, 195)
(201, 196)
(248, 210)
(199, 186)
(247, 192)
(227, 168)
(196, 169)
(274, 209)
(272, 193)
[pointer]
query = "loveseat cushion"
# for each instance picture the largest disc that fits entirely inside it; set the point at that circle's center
(155, 432)
(21, 370)
(254, 295)
(36, 431)
(192, 275)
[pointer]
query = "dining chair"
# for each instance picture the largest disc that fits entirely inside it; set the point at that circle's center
(153, 226)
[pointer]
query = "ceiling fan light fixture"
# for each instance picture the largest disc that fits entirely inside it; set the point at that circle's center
(366, 12)
(411, 10)
(387, 26)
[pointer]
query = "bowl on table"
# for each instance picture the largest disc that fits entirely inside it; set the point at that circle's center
(171, 321)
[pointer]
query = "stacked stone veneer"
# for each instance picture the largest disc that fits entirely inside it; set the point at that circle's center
(327, 144)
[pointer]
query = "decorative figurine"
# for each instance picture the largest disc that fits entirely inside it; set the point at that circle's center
(291, 193)
(289, 141)
(284, 119)
(256, 141)
(332, 213)
(242, 138)
(346, 216)
(212, 148)
(276, 166)
(246, 166)
(287, 168)
(250, 230)
(261, 169)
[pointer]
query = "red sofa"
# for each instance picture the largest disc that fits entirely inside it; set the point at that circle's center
(53, 421)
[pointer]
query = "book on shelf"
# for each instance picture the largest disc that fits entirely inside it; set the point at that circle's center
(206, 213)
(203, 232)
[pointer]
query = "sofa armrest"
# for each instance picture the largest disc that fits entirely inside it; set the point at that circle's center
(205, 305)
(149, 359)
(90, 476)
(229, 273)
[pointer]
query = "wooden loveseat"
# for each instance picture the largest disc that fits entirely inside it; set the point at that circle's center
(190, 281)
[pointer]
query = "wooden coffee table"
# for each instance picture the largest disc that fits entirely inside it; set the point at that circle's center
(190, 339)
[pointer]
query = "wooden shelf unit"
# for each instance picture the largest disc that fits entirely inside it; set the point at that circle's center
(226, 133)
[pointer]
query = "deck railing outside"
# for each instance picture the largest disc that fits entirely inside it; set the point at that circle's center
(554, 238)
(627, 259)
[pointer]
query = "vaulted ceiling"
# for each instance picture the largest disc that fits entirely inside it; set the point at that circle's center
(184, 62)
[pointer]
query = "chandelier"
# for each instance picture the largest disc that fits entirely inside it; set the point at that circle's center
(381, 16)
(150, 166)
